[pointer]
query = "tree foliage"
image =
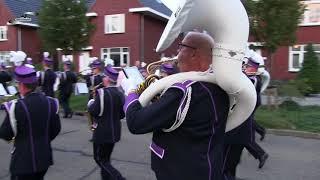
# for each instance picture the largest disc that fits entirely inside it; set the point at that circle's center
(274, 22)
(63, 24)
(309, 75)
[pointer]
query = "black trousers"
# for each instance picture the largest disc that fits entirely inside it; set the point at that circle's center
(232, 159)
(254, 149)
(233, 155)
(33, 176)
(64, 100)
(259, 129)
(102, 154)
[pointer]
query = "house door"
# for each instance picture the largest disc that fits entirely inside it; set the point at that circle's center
(84, 61)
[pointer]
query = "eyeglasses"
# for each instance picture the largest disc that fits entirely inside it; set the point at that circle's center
(180, 45)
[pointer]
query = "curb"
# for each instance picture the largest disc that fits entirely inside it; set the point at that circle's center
(293, 133)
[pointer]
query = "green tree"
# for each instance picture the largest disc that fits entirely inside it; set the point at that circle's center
(64, 25)
(308, 79)
(274, 22)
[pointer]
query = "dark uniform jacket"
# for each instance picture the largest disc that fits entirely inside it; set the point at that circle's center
(38, 123)
(4, 78)
(46, 81)
(68, 78)
(93, 81)
(194, 151)
(245, 132)
(107, 111)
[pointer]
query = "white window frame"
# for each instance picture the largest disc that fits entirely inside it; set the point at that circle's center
(5, 56)
(307, 14)
(108, 23)
(3, 33)
(122, 53)
(301, 53)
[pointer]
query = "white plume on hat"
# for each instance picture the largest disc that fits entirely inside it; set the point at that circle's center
(17, 57)
(65, 58)
(46, 54)
(91, 59)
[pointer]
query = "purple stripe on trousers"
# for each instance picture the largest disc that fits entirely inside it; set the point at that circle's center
(213, 130)
(31, 136)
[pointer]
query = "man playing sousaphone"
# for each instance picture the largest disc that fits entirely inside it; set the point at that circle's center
(190, 119)
(187, 143)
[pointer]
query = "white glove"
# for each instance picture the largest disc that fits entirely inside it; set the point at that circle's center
(128, 85)
(90, 102)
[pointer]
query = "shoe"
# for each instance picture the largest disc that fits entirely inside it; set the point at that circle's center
(262, 160)
(70, 115)
(65, 116)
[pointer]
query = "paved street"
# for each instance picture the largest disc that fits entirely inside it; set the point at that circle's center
(290, 158)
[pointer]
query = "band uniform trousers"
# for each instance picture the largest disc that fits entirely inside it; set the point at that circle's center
(259, 129)
(67, 80)
(242, 137)
(33, 176)
(108, 130)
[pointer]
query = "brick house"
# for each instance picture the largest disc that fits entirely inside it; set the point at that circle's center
(126, 30)
(287, 60)
(17, 32)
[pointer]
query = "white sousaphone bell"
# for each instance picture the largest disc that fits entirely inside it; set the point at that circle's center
(227, 22)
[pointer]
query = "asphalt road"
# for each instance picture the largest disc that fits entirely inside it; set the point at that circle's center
(290, 158)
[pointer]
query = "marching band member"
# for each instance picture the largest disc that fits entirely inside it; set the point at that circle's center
(67, 79)
(47, 78)
(107, 110)
(187, 143)
(5, 76)
(244, 135)
(32, 122)
(95, 79)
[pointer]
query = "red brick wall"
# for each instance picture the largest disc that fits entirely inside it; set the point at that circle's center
(153, 31)
(129, 39)
(31, 43)
(5, 16)
(280, 63)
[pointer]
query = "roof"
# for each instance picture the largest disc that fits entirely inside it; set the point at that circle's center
(19, 7)
(156, 5)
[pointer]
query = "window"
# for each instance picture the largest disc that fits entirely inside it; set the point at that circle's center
(296, 56)
(5, 57)
(3, 33)
(114, 23)
(311, 14)
(120, 56)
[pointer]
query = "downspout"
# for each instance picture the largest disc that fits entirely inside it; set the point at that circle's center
(19, 35)
(142, 44)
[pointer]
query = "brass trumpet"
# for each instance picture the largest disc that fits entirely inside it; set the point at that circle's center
(151, 69)
(91, 122)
